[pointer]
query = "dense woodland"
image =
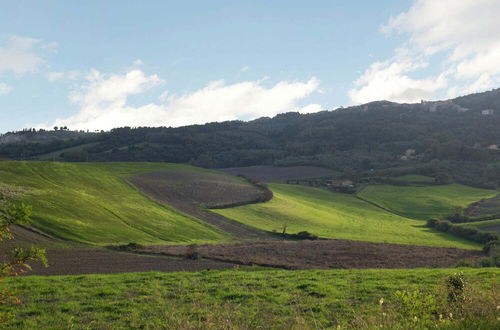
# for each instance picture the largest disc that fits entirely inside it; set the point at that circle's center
(450, 140)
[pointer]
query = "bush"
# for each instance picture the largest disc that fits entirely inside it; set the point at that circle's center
(443, 225)
(492, 247)
(131, 246)
(469, 233)
(306, 235)
(192, 252)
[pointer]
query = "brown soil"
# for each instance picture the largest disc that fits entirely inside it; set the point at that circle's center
(186, 190)
(328, 254)
(322, 254)
(279, 174)
(100, 261)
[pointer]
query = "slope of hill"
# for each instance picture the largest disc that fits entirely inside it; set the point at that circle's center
(457, 134)
(92, 203)
(335, 215)
(425, 202)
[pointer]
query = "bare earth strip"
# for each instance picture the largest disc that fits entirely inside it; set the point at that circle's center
(173, 188)
(279, 174)
(101, 261)
(323, 254)
(328, 254)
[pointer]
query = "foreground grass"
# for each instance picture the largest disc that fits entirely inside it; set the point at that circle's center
(424, 202)
(335, 215)
(92, 203)
(226, 299)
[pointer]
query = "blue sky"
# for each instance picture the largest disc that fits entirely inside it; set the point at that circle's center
(102, 64)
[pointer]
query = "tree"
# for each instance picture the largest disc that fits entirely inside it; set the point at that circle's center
(16, 260)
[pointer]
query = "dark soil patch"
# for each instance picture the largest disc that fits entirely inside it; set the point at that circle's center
(280, 174)
(100, 261)
(328, 254)
(189, 191)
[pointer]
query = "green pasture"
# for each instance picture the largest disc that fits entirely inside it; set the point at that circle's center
(423, 202)
(415, 178)
(336, 215)
(235, 299)
(92, 203)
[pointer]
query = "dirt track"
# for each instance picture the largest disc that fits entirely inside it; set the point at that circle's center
(170, 188)
(328, 254)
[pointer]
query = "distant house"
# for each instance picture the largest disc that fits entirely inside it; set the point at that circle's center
(340, 183)
(487, 112)
(409, 154)
(493, 147)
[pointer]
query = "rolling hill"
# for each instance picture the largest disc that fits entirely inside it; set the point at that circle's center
(424, 202)
(335, 215)
(92, 203)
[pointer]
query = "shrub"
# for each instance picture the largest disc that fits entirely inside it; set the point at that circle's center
(192, 252)
(131, 246)
(443, 225)
(306, 235)
(492, 247)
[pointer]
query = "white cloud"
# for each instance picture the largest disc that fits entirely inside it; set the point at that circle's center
(245, 68)
(62, 75)
(19, 55)
(464, 32)
(4, 88)
(103, 102)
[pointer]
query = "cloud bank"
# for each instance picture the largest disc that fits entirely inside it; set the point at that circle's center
(460, 37)
(103, 102)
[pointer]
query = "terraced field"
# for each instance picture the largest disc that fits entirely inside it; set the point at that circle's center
(92, 203)
(423, 202)
(341, 216)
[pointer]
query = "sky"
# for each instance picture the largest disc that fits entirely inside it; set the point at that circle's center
(96, 65)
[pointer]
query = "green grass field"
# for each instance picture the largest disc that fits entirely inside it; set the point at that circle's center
(423, 202)
(91, 203)
(336, 215)
(415, 178)
(487, 225)
(242, 299)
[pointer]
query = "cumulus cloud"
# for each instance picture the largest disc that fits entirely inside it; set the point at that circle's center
(103, 102)
(4, 88)
(463, 32)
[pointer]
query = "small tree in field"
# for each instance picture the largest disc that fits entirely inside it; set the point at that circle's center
(14, 262)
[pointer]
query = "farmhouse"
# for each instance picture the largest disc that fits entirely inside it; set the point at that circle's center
(339, 183)
(487, 112)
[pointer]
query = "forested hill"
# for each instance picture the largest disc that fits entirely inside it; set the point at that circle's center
(460, 133)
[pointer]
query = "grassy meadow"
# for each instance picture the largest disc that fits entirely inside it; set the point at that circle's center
(336, 215)
(425, 202)
(92, 203)
(242, 299)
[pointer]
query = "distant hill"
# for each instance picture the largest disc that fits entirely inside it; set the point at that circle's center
(454, 139)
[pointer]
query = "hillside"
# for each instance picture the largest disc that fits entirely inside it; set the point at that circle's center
(335, 215)
(451, 139)
(92, 203)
